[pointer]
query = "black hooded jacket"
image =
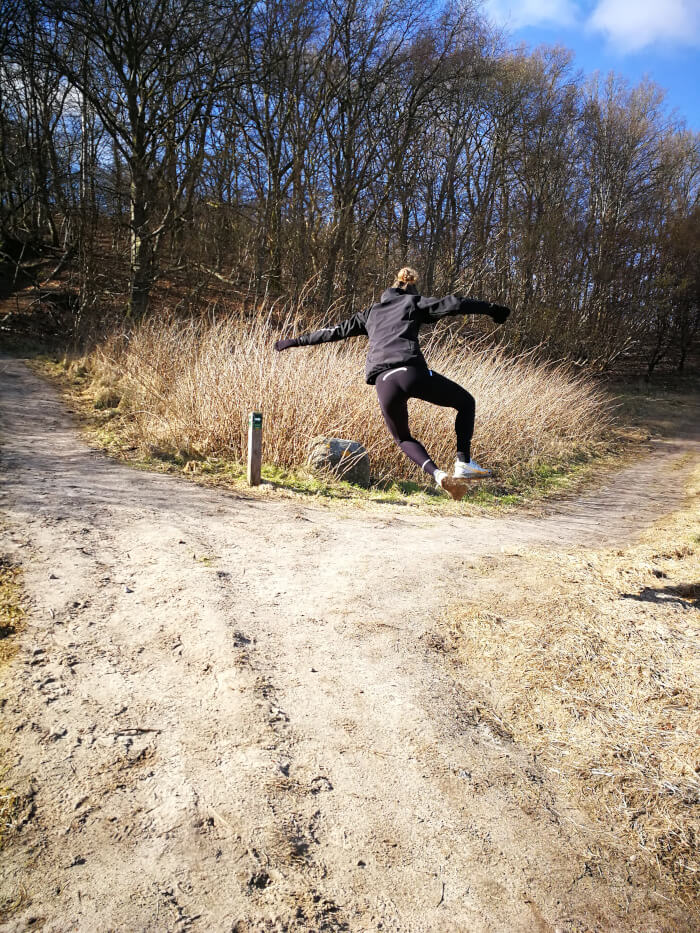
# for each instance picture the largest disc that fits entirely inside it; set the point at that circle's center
(392, 326)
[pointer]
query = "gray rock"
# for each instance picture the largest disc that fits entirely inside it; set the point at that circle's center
(347, 459)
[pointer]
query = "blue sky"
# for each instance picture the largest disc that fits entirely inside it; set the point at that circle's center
(656, 38)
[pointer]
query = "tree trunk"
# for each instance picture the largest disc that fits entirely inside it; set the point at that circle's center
(141, 278)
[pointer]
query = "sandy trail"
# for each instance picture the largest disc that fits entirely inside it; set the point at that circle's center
(230, 713)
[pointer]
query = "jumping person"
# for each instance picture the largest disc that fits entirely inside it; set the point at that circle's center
(396, 366)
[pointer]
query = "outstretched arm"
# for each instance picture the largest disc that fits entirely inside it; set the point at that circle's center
(352, 327)
(436, 308)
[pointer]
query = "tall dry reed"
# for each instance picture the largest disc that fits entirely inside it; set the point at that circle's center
(190, 386)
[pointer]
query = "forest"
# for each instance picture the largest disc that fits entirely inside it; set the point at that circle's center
(204, 157)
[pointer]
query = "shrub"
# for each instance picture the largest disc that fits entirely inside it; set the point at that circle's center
(191, 386)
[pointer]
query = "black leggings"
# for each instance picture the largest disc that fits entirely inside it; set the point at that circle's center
(394, 389)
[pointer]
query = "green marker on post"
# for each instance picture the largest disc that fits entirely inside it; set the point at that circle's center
(255, 420)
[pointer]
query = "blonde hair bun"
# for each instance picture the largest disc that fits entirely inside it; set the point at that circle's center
(405, 276)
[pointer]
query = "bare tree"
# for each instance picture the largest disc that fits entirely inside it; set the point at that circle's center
(151, 70)
(275, 144)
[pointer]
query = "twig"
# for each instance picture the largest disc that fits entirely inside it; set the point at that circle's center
(135, 730)
(442, 895)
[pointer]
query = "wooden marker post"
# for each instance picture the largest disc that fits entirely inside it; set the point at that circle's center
(254, 447)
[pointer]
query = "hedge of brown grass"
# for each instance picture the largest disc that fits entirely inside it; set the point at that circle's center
(190, 387)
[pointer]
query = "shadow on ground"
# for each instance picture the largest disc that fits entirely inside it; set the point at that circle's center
(687, 594)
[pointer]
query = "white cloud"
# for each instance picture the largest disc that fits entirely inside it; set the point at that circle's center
(631, 25)
(516, 15)
(627, 25)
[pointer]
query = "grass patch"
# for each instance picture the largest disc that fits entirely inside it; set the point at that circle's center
(590, 660)
(190, 387)
(112, 431)
(12, 615)
(556, 452)
(12, 621)
(175, 397)
(656, 410)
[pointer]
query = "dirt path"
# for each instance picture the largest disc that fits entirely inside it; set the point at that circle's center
(230, 714)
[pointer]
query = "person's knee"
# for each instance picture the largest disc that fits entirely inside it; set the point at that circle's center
(398, 429)
(399, 436)
(467, 403)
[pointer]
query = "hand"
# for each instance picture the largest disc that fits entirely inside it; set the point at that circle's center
(285, 344)
(499, 313)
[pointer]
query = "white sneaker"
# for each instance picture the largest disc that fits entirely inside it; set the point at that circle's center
(454, 486)
(470, 470)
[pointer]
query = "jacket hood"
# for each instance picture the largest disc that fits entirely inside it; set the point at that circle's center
(392, 293)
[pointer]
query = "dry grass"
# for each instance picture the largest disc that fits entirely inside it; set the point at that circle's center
(11, 623)
(189, 388)
(11, 611)
(591, 661)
